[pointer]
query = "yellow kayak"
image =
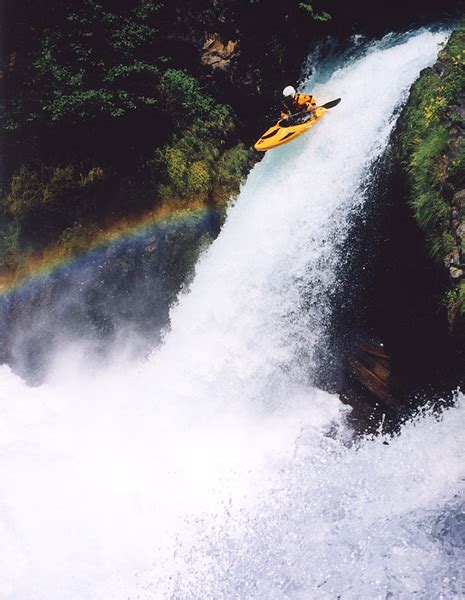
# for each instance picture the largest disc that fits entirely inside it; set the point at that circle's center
(287, 130)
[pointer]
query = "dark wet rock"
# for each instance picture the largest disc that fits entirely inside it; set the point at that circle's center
(370, 366)
(456, 113)
(390, 344)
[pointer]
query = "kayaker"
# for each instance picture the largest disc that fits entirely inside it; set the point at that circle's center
(296, 103)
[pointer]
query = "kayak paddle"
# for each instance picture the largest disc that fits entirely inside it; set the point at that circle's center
(331, 104)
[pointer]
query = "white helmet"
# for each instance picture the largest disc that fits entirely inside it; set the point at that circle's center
(289, 91)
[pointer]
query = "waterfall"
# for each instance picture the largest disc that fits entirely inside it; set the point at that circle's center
(216, 468)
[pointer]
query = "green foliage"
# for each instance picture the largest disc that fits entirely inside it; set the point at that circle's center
(48, 205)
(188, 171)
(188, 165)
(106, 83)
(318, 16)
(32, 190)
(11, 252)
(25, 193)
(426, 172)
(425, 140)
(77, 238)
(60, 199)
(94, 65)
(183, 170)
(433, 94)
(186, 103)
(47, 190)
(455, 302)
(435, 161)
(199, 177)
(230, 170)
(176, 165)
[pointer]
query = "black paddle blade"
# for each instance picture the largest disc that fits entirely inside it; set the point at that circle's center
(332, 103)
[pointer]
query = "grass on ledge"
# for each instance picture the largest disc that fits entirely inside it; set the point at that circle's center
(425, 148)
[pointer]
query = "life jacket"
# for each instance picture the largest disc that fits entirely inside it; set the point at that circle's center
(299, 103)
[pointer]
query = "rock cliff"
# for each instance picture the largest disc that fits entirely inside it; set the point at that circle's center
(401, 329)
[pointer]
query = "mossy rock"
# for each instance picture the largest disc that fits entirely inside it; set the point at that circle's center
(432, 152)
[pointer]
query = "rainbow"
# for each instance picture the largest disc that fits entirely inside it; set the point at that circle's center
(53, 260)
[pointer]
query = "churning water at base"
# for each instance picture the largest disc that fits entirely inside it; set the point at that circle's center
(216, 469)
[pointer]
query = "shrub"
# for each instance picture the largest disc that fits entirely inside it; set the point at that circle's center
(230, 171)
(94, 64)
(77, 238)
(11, 253)
(199, 178)
(309, 9)
(186, 165)
(25, 193)
(184, 101)
(49, 189)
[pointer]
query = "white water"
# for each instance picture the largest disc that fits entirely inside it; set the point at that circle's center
(207, 471)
